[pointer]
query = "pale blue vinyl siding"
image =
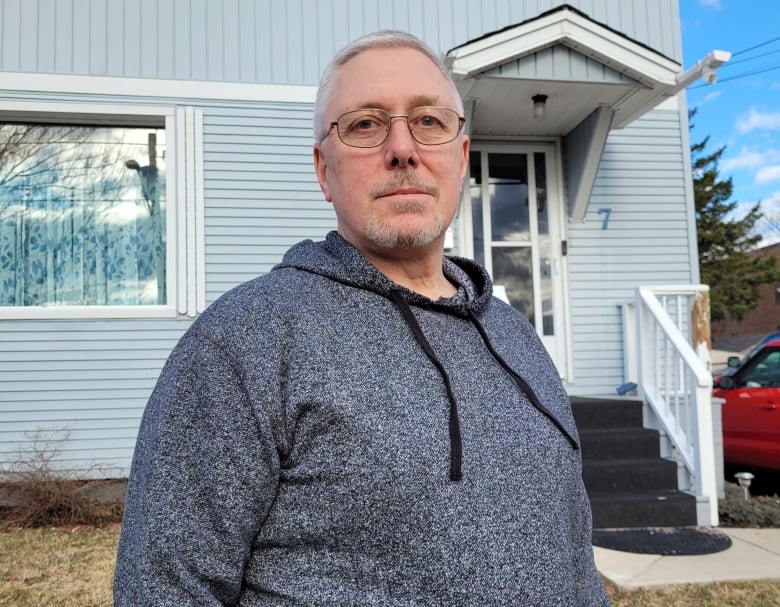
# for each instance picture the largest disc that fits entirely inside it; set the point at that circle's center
(641, 179)
(261, 192)
(269, 42)
(89, 378)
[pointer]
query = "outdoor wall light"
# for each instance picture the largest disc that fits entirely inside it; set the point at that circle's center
(540, 106)
(744, 478)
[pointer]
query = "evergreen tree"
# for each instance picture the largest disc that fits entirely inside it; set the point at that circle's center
(726, 263)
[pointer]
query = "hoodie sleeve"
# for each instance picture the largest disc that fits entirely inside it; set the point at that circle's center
(589, 585)
(204, 475)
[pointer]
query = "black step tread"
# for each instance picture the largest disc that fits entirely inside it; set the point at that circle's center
(595, 412)
(642, 509)
(641, 496)
(630, 474)
(611, 443)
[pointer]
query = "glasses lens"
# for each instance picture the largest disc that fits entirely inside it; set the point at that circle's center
(364, 128)
(368, 128)
(433, 125)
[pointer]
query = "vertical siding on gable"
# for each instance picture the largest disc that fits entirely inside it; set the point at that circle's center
(269, 42)
(641, 181)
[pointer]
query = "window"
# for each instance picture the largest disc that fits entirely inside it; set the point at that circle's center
(101, 210)
(82, 215)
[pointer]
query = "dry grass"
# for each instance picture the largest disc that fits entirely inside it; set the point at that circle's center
(60, 568)
(57, 568)
(722, 594)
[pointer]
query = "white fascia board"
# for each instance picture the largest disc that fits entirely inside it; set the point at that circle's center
(23, 82)
(576, 32)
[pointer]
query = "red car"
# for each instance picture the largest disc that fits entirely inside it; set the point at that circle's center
(751, 413)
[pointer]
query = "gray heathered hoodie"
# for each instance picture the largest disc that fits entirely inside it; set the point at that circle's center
(322, 436)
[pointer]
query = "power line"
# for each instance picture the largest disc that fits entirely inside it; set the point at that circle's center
(759, 45)
(746, 59)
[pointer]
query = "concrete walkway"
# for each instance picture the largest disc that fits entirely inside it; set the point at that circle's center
(754, 555)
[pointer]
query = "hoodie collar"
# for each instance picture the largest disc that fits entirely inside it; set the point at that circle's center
(339, 260)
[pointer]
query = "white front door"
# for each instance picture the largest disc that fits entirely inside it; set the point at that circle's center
(516, 212)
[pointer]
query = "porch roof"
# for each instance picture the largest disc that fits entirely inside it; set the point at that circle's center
(594, 78)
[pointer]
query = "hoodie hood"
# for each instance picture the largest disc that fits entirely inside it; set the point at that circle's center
(338, 260)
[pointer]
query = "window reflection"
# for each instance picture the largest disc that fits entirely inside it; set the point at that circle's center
(82, 215)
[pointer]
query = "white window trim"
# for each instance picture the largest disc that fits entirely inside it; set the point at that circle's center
(184, 187)
(185, 255)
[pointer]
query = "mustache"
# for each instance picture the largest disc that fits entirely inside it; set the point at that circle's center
(404, 180)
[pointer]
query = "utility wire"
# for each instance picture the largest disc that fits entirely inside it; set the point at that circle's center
(746, 59)
(759, 45)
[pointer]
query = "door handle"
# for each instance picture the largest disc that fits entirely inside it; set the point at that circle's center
(768, 407)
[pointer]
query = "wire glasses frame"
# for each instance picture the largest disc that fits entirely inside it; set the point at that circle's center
(370, 127)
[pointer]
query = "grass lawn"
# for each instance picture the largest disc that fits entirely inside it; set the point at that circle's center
(732, 594)
(56, 568)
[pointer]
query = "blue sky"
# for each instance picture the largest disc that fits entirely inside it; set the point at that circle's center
(742, 110)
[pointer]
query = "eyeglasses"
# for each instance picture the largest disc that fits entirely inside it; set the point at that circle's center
(369, 127)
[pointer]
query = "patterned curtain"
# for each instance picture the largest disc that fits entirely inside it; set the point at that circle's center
(81, 222)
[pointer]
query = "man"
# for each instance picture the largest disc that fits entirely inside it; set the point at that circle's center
(364, 425)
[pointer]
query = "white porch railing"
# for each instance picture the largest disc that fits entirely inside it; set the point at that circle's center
(674, 380)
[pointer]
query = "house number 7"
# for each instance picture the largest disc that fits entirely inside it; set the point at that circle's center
(606, 213)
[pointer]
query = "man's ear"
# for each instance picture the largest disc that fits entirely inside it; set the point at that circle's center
(464, 158)
(321, 168)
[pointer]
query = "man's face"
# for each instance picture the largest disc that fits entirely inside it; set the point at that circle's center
(401, 194)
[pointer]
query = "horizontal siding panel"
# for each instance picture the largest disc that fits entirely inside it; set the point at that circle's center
(50, 383)
(78, 337)
(101, 397)
(21, 420)
(262, 41)
(70, 368)
(19, 377)
(124, 358)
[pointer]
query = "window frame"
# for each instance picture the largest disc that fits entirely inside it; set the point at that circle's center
(185, 264)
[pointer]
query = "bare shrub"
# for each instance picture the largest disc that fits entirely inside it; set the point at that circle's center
(39, 492)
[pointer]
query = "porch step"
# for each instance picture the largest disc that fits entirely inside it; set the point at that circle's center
(619, 443)
(628, 482)
(642, 509)
(630, 475)
(606, 413)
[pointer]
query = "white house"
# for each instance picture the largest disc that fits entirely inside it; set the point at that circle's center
(155, 153)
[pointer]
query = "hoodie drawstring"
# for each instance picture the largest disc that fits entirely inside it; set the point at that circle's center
(456, 442)
(456, 446)
(529, 392)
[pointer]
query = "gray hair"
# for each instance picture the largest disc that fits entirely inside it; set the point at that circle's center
(381, 39)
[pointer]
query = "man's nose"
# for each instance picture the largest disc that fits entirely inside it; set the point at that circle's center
(401, 146)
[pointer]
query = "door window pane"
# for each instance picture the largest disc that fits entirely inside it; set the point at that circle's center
(82, 215)
(509, 197)
(512, 269)
(545, 245)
